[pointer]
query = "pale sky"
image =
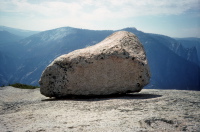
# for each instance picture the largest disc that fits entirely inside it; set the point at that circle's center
(174, 18)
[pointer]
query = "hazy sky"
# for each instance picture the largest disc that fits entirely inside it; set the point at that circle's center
(175, 18)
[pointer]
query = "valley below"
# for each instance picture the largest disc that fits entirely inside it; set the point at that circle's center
(25, 110)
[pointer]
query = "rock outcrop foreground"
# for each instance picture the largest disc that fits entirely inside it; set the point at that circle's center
(117, 64)
(151, 110)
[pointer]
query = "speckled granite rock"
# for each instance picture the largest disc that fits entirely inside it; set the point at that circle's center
(118, 64)
(151, 110)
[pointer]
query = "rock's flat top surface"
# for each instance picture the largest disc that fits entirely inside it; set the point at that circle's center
(150, 110)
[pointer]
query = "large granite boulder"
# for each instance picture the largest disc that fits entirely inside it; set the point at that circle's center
(118, 64)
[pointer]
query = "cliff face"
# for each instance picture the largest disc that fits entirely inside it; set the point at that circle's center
(149, 110)
(191, 43)
(179, 47)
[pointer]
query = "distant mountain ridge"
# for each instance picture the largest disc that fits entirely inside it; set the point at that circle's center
(18, 32)
(172, 66)
(6, 37)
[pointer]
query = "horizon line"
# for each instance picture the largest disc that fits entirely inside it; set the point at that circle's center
(93, 30)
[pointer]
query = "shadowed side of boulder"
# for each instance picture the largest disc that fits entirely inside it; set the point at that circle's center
(118, 64)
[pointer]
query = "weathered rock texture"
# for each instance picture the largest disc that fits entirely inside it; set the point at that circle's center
(150, 110)
(118, 64)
